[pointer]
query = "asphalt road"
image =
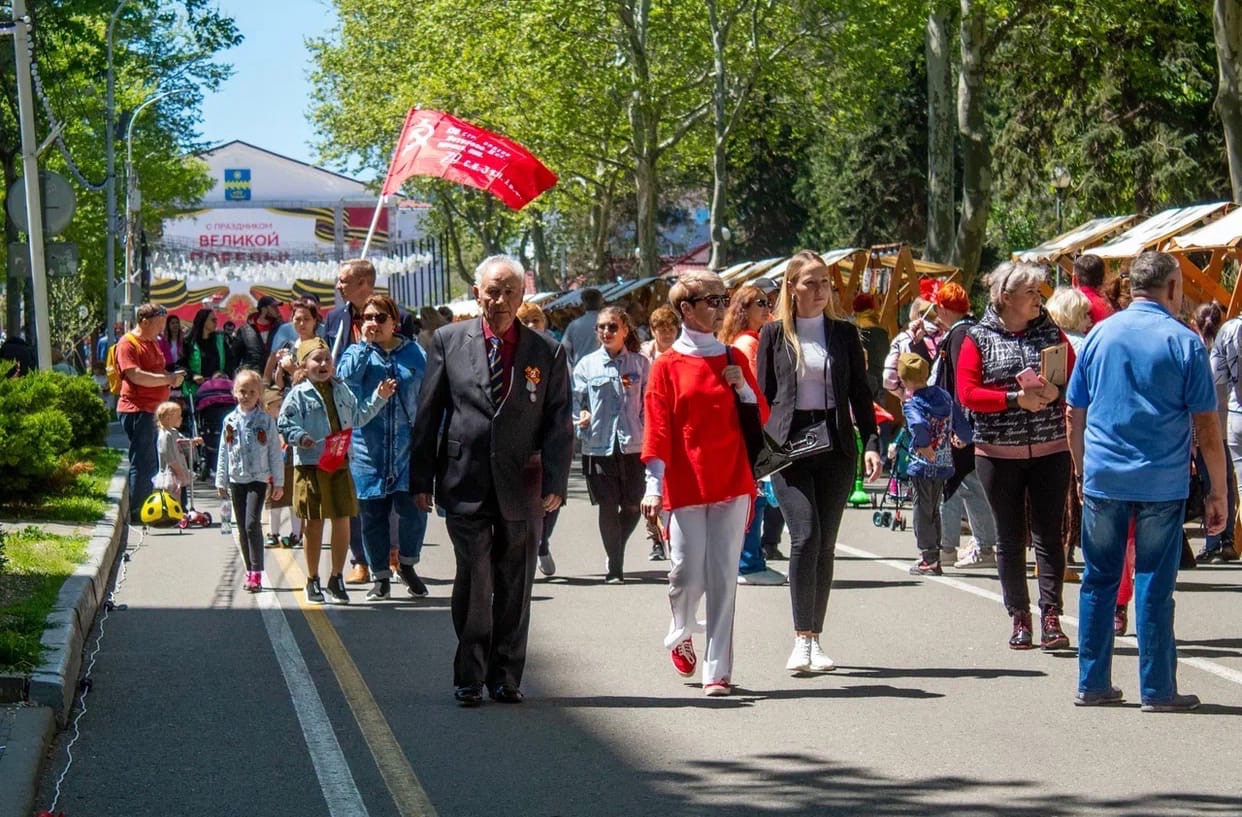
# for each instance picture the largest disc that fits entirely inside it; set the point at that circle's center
(207, 700)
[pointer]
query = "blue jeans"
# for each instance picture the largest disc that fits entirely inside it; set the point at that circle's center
(752, 560)
(144, 460)
(1157, 551)
(411, 529)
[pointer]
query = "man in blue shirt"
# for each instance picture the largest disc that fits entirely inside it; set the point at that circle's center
(1140, 384)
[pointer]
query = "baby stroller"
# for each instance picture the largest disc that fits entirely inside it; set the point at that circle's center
(209, 405)
(898, 491)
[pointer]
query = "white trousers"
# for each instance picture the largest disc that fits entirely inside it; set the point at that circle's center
(705, 543)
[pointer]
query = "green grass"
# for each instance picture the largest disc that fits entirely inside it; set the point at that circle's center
(36, 565)
(83, 497)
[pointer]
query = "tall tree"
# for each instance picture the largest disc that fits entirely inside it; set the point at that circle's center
(1227, 28)
(941, 128)
(155, 42)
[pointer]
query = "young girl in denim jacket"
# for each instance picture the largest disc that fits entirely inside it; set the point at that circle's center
(249, 458)
(317, 407)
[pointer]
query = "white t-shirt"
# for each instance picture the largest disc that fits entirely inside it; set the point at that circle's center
(815, 380)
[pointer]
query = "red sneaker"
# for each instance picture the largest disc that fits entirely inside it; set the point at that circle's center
(684, 659)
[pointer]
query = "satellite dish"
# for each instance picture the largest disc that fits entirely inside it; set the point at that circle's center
(59, 203)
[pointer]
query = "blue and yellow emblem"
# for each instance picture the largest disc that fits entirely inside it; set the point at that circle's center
(237, 184)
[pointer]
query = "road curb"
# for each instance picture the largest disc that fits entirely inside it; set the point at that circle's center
(28, 742)
(55, 681)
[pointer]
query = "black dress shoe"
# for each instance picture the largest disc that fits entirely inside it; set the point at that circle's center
(506, 694)
(468, 695)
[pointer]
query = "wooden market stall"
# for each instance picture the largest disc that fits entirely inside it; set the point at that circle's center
(1156, 231)
(891, 273)
(1060, 251)
(1212, 246)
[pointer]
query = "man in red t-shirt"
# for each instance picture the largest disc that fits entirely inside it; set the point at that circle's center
(1089, 275)
(144, 385)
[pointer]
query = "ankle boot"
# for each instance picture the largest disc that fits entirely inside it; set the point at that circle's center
(1021, 638)
(1052, 636)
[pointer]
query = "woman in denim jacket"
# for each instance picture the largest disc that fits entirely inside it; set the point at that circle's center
(608, 389)
(380, 461)
(315, 408)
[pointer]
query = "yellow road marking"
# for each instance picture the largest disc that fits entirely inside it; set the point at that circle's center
(403, 784)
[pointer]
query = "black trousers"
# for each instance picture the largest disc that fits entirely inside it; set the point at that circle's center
(616, 485)
(491, 596)
(1013, 486)
(248, 499)
(812, 493)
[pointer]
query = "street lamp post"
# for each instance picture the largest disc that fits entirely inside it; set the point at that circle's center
(133, 201)
(110, 180)
(1060, 182)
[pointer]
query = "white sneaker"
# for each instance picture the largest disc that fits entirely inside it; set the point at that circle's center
(767, 577)
(819, 661)
(975, 556)
(800, 658)
(547, 565)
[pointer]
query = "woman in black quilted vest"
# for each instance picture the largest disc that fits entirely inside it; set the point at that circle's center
(1021, 448)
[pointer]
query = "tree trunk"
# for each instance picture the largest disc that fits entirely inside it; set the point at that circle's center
(14, 286)
(720, 168)
(1227, 26)
(450, 232)
(541, 265)
(601, 222)
(976, 149)
(941, 127)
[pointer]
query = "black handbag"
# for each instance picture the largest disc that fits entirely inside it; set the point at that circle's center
(1196, 498)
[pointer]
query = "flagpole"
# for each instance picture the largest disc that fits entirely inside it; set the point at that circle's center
(366, 245)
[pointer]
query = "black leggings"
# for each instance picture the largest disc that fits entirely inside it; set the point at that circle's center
(616, 485)
(1012, 486)
(248, 498)
(812, 493)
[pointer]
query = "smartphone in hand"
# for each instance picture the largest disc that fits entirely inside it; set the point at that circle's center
(1028, 378)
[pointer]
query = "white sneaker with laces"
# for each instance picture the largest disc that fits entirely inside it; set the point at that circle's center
(970, 556)
(800, 658)
(547, 565)
(819, 661)
(766, 577)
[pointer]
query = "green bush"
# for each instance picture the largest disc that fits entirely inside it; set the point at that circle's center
(36, 431)
(81, 403)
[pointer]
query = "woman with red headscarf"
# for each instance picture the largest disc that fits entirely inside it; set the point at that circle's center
(963, 491)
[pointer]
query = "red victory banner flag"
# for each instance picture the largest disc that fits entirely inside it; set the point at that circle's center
(433, 143)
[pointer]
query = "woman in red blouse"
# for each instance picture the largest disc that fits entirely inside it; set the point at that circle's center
(697, 469)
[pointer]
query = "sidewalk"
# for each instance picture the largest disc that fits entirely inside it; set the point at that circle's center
(27, 729)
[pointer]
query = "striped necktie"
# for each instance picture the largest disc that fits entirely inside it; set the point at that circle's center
(496, 368)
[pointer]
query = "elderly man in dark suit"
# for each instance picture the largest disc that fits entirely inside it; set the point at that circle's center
(493, 436)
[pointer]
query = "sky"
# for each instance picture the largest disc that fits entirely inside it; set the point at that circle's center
(266, 100)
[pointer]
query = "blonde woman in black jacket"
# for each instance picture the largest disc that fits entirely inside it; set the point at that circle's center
(812, 370)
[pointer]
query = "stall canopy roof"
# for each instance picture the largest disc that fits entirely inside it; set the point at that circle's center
(772, 268)
(1081, 236)
(1161, 226)
(1224, 232)
(574, 296)
(739, 274)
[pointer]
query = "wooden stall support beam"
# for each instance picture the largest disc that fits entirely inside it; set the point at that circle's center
(1203, 285)
(853, 285)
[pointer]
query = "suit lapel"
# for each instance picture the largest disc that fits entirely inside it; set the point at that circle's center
(477, 354)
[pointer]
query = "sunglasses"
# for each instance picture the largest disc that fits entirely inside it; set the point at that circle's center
(377, 317)
(609, 328)
(761, 303)
(714, 301)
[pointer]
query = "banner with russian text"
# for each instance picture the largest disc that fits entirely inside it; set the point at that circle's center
(434, 143)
